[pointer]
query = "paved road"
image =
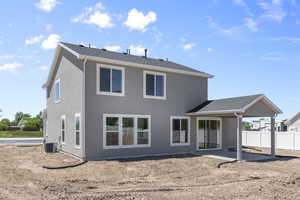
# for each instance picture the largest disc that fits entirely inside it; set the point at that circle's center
(21, 140)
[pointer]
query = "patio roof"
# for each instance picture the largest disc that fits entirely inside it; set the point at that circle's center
(248, 106)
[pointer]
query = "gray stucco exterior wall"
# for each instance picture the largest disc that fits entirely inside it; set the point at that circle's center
(183, 93)
(229, 132)
(69, 71)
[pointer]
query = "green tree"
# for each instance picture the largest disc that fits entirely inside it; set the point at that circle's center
(18, 117)
(5, 121)
(33, 124)
(246, 125)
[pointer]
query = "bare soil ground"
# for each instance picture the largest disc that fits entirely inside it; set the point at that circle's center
(182, 177)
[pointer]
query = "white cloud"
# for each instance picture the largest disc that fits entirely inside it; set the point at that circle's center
(46, 5)
(48, 27)
(273, 11)
(113, 48)
(288, 39)
(33, 40)
(51, 42)
(210, 50)
(43, 67)
(102, 20)
(137, 50)
(7, 56)
(10, 66)
(224, 31)
(251, 24)
(243, 4)
(137, 20)
(94, 15)
(188, 46)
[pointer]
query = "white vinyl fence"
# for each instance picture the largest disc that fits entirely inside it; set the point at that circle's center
(283, 140)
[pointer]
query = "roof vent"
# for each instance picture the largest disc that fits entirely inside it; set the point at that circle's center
(146, 53)
(103, 49)
(161, 59)
(81, 45)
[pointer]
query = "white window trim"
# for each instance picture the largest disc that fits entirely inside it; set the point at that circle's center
(78, 146)
(145, 72)
(221, 132)
(59, 100)
(98, 92)
(171, 131)
(135, 145)
(63, 117)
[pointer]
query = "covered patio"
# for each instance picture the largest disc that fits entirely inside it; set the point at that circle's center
(239, 108)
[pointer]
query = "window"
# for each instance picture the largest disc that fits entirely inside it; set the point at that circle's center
(154, 85)
(63, 128)
(77, 130)
(121, 131)
(57, 93)
(110, 80)
(180, 131)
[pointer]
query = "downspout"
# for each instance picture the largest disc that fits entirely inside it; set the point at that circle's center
(83, 111)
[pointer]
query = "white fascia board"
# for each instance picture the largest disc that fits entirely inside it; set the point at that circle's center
(215, 112)
(57, 52)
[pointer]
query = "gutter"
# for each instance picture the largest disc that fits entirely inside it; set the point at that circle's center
(83, 112)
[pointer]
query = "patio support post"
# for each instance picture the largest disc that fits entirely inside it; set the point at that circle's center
(273, 136)
(239, 153)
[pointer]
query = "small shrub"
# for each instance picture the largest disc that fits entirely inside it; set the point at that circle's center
(3, 126)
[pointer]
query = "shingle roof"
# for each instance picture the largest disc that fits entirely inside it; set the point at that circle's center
(95, 52)
(228, 104)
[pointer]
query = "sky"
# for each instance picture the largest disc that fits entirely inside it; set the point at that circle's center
(251, 46)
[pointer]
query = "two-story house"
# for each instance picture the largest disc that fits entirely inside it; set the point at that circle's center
(103, 104)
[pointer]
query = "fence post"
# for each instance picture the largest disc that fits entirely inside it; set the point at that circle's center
(260, 139)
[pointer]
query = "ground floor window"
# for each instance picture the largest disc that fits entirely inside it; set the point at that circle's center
(180, 130)
(63, 128)
(126, 130)
(77, 129)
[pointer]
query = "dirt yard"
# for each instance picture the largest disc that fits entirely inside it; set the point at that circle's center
(189, 177)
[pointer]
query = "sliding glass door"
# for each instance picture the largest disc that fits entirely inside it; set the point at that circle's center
(208, 133)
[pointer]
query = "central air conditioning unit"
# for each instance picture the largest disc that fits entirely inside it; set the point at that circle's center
(50, 147)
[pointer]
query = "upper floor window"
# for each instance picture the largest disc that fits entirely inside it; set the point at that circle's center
(57, 93)
(154, 85)
(110, 80)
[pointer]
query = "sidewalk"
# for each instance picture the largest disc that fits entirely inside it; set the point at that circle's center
(21, 140)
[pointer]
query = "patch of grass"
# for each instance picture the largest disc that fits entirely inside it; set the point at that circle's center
(20, 134)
